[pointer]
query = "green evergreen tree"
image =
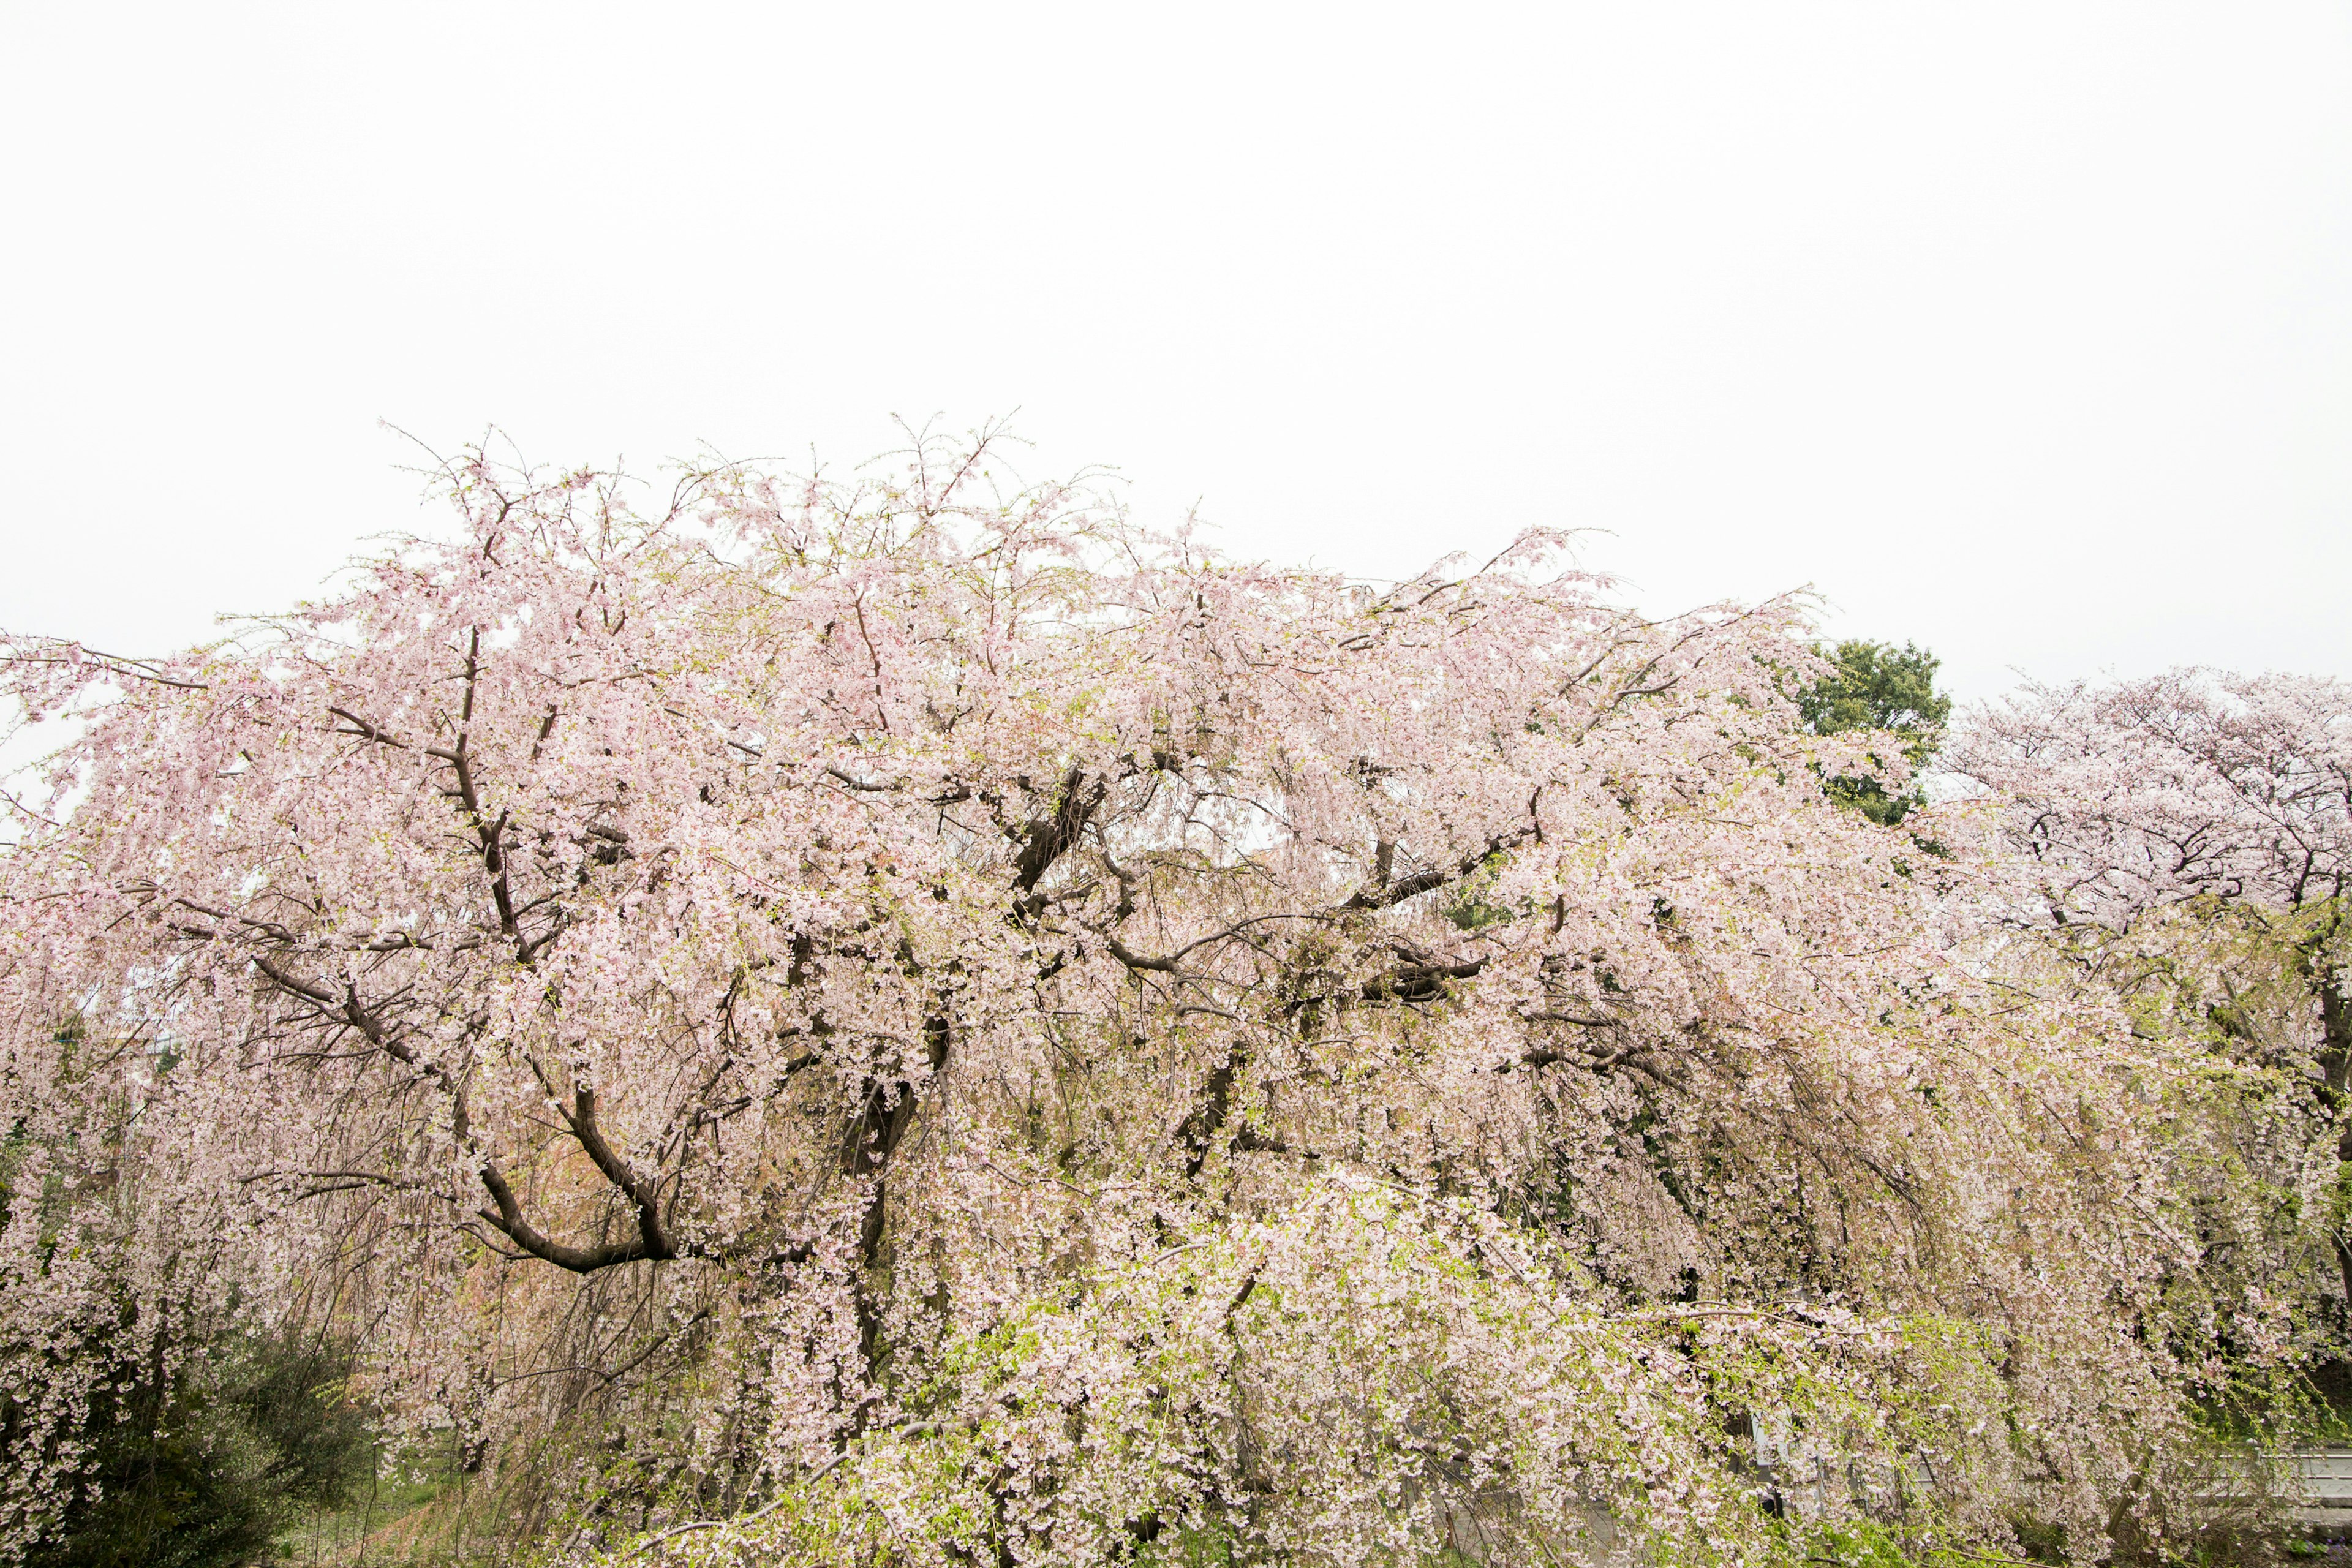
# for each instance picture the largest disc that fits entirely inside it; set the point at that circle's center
(1877, 686)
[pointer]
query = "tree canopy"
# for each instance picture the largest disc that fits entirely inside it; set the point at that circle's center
(897, 1021)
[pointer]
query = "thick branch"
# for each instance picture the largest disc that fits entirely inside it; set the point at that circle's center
(509, 1221)
(619, 1172)
(1385, 894)
(1045, 838)
(652, 1240)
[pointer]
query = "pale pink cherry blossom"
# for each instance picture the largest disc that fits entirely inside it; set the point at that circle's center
(942, 1023)
(2194, 784)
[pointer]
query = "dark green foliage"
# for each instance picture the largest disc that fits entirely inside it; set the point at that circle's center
(203, 1468)
(1877, 686)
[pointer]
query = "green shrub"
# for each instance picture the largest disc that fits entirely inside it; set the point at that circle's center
(204, 1466)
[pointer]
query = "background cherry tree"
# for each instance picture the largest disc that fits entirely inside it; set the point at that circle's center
(2185, 841)
(916, 1019)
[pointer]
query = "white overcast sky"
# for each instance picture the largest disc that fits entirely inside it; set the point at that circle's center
(2025, 331)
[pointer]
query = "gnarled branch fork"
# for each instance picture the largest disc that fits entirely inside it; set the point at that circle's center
(506, 1215)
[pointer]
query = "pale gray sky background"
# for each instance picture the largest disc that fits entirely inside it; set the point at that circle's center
(2024, 331)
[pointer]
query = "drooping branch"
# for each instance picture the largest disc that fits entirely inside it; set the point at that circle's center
(652, 1240)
